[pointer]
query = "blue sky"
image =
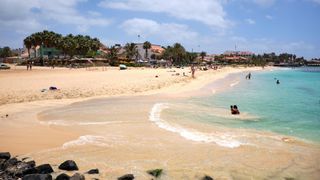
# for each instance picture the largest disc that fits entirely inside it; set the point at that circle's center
(213, 26)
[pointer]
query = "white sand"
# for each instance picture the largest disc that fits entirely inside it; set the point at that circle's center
(134, 147)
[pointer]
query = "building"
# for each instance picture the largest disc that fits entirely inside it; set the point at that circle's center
(237, 56)
(154, 50)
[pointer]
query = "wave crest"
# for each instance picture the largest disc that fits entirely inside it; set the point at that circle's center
(224, 140)
(87, 139)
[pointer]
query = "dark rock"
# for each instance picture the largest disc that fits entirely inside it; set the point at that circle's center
(126, 177)
(2, 161)
(207, 178)
(155, 172)
(31, 163)
(44, 169)
(69, 165)
(93, 171)
(5, 155)
(63, 176)
(37, 177)
(23, 159)
(4, 176)
(21, 169)
(77, 176)
(10, 162)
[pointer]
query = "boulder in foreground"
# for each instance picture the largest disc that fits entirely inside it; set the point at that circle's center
(44, 169)
(37, 177)
(69, 165)
(126, 177)
(5, 155)
(63, 176)
(93, 171)
(206, 177)
(77, 176)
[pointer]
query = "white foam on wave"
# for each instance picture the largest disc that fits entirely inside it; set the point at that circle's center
(87, 139)
(233, 84)
(224, 140)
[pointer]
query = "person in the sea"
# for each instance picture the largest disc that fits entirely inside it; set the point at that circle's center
(278, 82)
(249, 75)
(234, 109)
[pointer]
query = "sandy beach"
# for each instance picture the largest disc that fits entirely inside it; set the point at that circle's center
(19, 85)
(104, 119)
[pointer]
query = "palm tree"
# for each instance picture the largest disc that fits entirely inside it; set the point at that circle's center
(36, 41)
(113, 55)
(179, 53)
(28, 43)
(146, 46)
(70, 45)
(131, 50)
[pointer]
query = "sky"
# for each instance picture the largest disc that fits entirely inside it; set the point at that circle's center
(213, 26)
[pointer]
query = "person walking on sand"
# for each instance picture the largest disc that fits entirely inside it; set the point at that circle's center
(28, 66)
(193, 70)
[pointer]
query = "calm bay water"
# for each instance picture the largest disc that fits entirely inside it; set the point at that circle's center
(289, 108)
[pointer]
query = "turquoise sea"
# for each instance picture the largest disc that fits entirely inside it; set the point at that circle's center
(290, 108)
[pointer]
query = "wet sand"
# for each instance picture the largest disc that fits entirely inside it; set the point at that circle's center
(117, 136)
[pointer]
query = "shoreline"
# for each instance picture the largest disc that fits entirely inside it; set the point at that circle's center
(134, 143)
(19, 85)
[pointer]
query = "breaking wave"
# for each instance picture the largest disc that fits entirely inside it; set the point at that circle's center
(224, 140)
(87, 139)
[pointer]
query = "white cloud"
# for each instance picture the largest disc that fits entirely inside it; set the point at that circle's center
(31, 14)
(169, 32)
(209, 12)
(269, 17)
(94, 13)
(250, 21)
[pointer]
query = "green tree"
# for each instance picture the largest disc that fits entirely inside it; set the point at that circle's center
(191, 57)
(5, 52)
(146, 46)
(179, 53)
(113, 55)
(28, 44)
(70, 45)
(131, 50)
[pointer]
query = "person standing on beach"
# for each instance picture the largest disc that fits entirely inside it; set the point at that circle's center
(193, 70)
(28, 66)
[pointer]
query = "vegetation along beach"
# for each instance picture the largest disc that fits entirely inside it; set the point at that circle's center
(159, 90)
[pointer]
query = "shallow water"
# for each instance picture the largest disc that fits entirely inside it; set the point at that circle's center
(190, 137)
(289, 108)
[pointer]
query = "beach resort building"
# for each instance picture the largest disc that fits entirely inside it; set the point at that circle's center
(237, 56)
(154, 51)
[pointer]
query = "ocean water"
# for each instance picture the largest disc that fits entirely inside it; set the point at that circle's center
(291, 108)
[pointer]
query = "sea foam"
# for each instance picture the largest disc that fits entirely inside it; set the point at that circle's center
(224, 140)
(233, 84)
(87, 139)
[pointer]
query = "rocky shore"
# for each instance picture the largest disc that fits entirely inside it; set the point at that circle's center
(12, 168)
